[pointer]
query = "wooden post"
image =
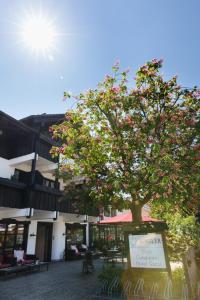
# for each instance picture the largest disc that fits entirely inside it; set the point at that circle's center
(190, 270)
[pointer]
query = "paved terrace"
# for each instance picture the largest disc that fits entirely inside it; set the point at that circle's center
(64, 280)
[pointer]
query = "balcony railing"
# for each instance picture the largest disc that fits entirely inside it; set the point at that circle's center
(12, 194)
(25, 177)
(16, 194)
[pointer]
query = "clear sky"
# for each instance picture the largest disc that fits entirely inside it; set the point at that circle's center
(93, 34)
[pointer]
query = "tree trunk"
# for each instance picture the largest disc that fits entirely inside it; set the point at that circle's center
(136, 210)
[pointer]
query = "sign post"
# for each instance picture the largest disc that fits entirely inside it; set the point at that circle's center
(147, 249)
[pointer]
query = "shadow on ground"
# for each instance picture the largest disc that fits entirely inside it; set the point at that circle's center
(64, 280)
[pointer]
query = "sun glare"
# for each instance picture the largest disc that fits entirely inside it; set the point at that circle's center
(39, 33)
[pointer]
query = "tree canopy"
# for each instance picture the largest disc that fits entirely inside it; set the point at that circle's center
(134, 143)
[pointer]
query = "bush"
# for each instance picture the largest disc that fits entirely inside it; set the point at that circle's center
(109, 272)
(183, 230)
(150, 277)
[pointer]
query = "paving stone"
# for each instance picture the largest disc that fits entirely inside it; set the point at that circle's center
(64, 280)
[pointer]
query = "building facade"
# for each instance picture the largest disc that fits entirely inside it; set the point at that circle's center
(33, 214)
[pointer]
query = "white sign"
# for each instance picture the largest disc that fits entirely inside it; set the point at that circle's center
(147, 251)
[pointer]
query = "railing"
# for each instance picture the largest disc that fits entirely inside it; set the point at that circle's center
(70, 206)
(43, 200)
(11, 195)
(25, 177)
(18, 195)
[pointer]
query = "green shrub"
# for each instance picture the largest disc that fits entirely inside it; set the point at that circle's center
(109, 272)
(149, 277)
(178, 274)
(183, 231)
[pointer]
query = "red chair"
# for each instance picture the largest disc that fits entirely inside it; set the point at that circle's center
(3, 264)
(23, 258)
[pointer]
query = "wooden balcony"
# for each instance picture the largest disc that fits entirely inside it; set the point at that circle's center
(25, 178)
(19, 195)
(17, 139)
(12, 194)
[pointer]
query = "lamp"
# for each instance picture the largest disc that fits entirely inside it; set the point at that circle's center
(32, 234)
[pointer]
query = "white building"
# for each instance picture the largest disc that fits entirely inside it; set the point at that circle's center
(31, 213)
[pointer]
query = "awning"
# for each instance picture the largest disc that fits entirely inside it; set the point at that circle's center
(125, 218)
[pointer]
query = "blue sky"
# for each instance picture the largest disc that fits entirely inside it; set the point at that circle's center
(93, 35)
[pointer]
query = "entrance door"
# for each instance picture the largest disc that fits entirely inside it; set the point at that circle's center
(44, 241)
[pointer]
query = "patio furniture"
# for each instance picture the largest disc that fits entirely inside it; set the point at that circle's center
(29, 259)
(87, 266)
(72, 252)
(27, 268)
(113, 256)
(11, 260)
(39, 266)
(82, 249)
(24, 258)
(12, 270)
(97, 254)
(6, 262)
(19, 254)
(3, 266)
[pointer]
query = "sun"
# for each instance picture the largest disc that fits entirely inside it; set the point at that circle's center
(38, 33)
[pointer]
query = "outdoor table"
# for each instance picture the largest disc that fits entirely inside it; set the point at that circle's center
(96, 254)
(111, 255)
(112, 252)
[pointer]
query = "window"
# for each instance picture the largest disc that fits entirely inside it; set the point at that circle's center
(2, 237)
(75, 234)
(49, 183)
(12, 235)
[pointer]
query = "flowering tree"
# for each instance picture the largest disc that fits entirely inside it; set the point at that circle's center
(134, 145)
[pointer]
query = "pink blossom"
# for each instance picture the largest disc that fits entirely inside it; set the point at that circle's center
(115, 89)
(127, 70)
(157, 61)
(150, 140)
(190, 122)
(197, 94)
(196, 147)
(107, 77)
(161, 174)
(61, 150)
(68, 117)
